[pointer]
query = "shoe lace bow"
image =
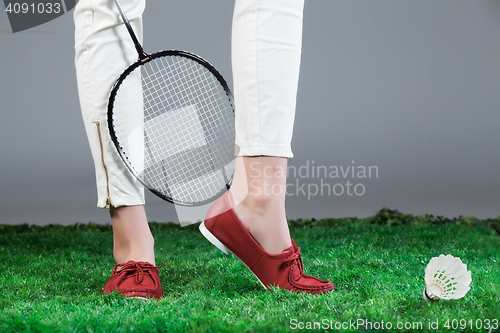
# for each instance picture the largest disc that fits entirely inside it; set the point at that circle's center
(295, 259)
(141, 269)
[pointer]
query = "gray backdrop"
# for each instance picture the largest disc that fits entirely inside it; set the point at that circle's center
(408, 88)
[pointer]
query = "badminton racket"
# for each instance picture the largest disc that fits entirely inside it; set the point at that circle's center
(171, 119)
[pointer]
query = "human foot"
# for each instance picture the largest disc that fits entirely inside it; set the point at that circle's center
(224, 229)
(135, 279)
(257, 196)
(264, 218)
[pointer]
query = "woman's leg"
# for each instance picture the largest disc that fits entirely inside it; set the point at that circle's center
(103, 50)
(266, 50)
(250, 221)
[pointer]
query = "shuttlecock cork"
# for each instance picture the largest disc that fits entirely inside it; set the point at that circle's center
(446, 277)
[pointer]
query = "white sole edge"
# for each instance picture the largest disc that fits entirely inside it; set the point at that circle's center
(212, 239)
(217, 243)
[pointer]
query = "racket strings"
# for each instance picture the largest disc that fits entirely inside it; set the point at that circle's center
(186, 91)
(186, 84)
(186, 151)
(212, 93)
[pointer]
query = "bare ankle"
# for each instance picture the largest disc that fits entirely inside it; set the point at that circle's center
(132, 238)
(134, 249)
(122, 256)
(265, 219)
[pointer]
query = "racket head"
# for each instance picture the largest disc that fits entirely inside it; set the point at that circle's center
(171, 119)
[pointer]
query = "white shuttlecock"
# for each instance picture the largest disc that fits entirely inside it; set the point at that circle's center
(446, 277)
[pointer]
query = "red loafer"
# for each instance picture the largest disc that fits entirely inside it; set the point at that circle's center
(224, 230)
(135, 279)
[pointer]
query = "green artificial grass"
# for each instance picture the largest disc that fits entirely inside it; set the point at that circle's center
(51, 278)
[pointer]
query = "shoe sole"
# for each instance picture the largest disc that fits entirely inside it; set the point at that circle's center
(212, 239)
(218, 244)
(145, 298)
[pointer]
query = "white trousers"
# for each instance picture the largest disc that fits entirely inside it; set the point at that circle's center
(266, 49)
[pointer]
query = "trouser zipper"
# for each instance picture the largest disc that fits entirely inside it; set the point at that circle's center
(108, 199)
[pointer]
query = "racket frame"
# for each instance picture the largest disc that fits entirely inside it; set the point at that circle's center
(140, 51)
(110, 121)
(144, 58)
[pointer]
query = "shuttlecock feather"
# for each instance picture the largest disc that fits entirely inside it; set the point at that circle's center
(446, 277)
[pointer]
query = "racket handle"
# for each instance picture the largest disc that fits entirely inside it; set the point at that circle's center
(142, 55)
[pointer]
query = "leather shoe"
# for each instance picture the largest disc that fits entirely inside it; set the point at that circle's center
(135, 279)
(285, 270)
